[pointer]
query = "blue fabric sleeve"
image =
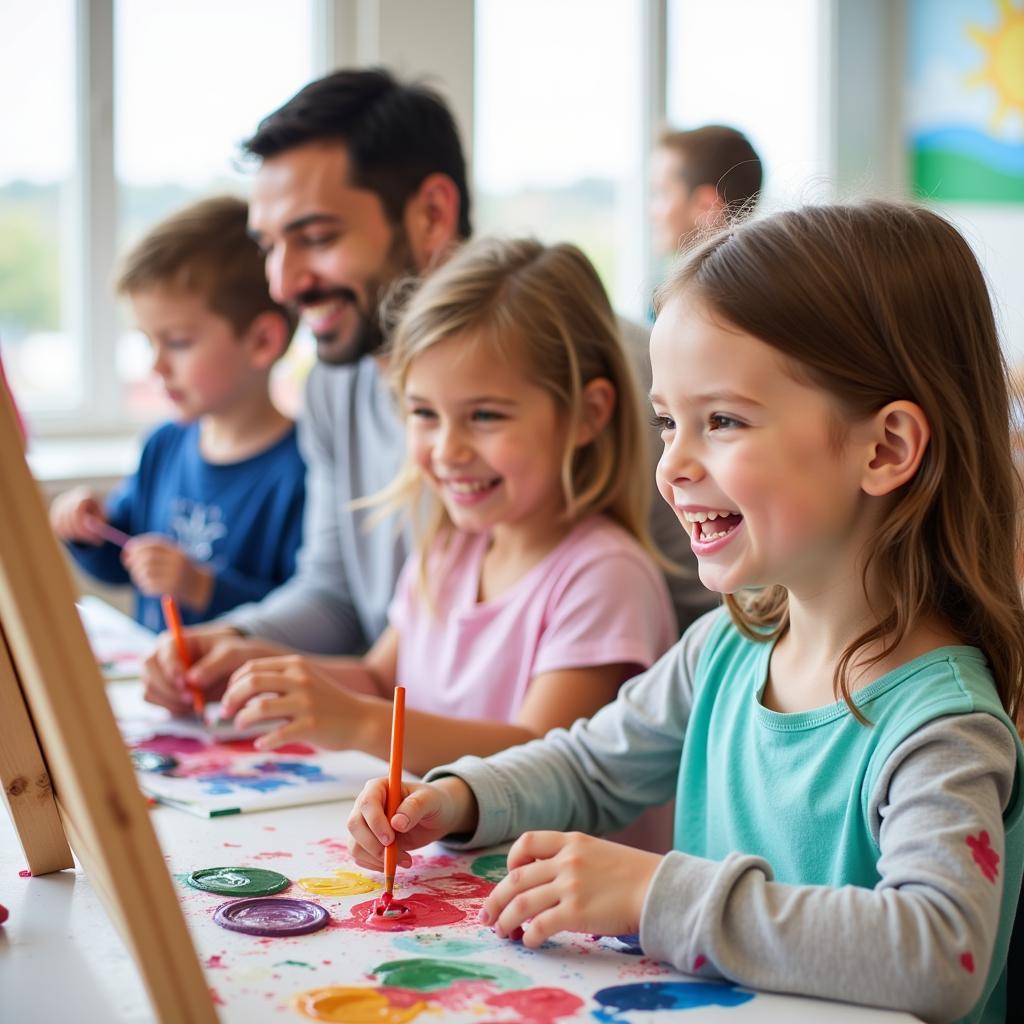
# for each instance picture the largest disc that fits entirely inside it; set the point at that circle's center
(103, 562)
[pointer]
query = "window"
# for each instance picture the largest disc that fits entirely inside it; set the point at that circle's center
(557, 150)
(36, 159)
(190, 80)
(757, 67)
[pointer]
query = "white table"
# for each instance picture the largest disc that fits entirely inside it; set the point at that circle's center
(62, 960)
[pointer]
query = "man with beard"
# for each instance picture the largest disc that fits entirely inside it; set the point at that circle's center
(361, 185)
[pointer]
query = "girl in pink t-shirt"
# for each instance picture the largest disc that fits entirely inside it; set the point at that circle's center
(534, 592)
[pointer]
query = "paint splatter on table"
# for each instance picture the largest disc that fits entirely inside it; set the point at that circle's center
(433, 963)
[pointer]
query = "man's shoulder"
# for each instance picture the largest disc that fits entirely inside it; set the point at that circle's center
(634, 335)
(636, 341)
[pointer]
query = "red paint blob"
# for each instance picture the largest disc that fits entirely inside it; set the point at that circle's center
(422, 910)
(172, 746)
(4, 913)
(537, 1005)
(383, 905)
(700, 961)
(24, 873)
(459, 886)
(967, 962)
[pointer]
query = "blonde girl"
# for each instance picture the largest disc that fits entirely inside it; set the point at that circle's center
(534, 593)
(843, 739)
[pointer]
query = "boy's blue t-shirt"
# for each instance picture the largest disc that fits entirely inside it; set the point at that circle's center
(241, 520)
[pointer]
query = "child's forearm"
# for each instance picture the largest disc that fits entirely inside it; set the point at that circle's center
(354, 675)
(431, 740)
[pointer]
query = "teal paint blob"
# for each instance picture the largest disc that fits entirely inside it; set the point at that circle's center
(427, 975)
(438, 944)
(492, 867)
(664, 995)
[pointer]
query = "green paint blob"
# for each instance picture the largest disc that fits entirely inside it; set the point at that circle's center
(438, 944)
(492, 868)
(150, 761)
(238, 881)
(426, 975)
(294, 963)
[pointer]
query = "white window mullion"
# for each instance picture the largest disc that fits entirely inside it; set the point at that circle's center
(94, 213)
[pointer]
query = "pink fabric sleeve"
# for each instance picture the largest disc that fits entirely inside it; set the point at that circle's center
(612, 610)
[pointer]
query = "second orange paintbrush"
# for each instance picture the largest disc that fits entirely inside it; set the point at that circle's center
(173, 620)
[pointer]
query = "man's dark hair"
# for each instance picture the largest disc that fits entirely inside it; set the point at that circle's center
(396, 134)
(720, 156)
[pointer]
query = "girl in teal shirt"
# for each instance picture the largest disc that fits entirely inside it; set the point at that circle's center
(842, 738)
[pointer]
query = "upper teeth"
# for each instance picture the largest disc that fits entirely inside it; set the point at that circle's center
(320, 310)
(700, 517)
(468, 486)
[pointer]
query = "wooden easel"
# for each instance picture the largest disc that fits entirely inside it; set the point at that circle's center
(63, 766)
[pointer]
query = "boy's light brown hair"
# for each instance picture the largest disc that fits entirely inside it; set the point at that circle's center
(720, 156)
(205, 249)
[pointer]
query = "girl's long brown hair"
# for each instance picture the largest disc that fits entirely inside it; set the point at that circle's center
(878, 302)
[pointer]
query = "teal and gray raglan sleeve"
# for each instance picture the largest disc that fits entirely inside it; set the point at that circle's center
(597, 776)
(920, 941)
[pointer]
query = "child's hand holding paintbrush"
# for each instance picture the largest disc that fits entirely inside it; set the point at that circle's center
(425, 813)
(173, 620)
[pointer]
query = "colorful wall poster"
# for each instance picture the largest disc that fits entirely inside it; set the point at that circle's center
(965, 100)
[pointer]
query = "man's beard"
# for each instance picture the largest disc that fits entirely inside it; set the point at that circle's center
(370, 335)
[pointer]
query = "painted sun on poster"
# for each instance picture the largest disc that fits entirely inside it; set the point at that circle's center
(966, 99)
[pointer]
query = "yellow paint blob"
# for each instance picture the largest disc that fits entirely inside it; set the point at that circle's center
(344, 883)
(344, 1005)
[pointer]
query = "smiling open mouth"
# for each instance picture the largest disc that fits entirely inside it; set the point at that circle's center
(709, 526)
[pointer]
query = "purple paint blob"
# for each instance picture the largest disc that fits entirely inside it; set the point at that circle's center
(274, 916)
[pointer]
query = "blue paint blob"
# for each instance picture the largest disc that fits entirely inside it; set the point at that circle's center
(628, 944)
(665, 995)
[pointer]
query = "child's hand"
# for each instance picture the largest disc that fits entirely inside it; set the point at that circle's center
(158, 566)
(215, 652)
(567, 881)
(72, 513)
(319, 710)
(428, 812)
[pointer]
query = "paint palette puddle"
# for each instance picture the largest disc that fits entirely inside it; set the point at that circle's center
(665, 995)
(351, 1005)
(272, 916)
(422, 910)
(238, 881)
(343, 883)
(151, 761)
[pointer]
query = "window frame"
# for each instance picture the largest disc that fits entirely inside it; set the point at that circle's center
(432, 41)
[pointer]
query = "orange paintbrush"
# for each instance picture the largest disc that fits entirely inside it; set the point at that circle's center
(173, 620)
(394, 788)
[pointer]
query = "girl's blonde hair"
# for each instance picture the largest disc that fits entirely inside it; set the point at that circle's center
(877, 302)
(544, 310)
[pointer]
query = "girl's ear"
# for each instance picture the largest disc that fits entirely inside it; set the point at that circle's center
(267, 337)
(901, 435)
(431, 219)
(598, 401)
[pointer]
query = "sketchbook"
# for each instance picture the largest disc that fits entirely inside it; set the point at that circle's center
(210, 773)
(119, 643)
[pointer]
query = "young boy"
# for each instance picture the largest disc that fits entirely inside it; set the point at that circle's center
(698, 177)
(214, 511)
